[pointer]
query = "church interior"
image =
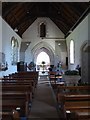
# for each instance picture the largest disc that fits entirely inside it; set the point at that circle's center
(44, 60)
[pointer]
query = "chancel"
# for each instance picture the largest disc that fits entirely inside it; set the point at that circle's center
(44, 61)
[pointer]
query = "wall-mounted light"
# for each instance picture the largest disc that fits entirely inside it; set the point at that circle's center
(70, 31)
(59, 44)
(18, 108)
(68, 111)
(27, 44)
(16, 30)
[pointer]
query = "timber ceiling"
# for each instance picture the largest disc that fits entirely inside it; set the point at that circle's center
(65, 15)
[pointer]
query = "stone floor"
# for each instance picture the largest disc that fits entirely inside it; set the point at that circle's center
(44, 104)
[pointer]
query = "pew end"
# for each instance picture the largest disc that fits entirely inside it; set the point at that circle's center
(6, 115)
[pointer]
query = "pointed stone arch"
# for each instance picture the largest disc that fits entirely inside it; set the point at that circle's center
(43, 46)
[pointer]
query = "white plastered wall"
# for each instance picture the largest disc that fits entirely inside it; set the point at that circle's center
(5, 43)
(32, 34)
(79, 35)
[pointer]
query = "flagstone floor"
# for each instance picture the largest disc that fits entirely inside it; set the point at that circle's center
(44, 103)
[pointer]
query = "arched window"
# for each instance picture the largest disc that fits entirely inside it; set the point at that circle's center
(42, 30)
(71, 52)
(14, 45)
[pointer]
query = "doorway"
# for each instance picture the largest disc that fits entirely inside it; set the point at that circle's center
(42, 57)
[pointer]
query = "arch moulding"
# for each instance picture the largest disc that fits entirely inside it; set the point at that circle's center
(45, 47)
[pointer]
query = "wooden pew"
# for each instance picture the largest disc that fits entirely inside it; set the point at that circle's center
(27, 75)
(31, 74)
(13, 115)
(17, 93)
(77, 97)
(83, 115)
(70, 90)
(55, 79)
(52, 77)
(80, 106)
(18, 81)
(17, 85)
(73, 99)
(73, 89)
(16, 100)
(74, 102)
(75, 106)
(18, 88)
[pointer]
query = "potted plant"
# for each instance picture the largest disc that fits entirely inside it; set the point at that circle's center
(71, 77)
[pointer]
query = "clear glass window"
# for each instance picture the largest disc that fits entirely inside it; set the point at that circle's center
(14, 45)
(71, 52)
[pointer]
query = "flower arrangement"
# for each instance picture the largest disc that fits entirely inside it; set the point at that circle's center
(31, 65)
(3, 66)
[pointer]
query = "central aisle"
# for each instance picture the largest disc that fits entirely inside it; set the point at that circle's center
(44, 103)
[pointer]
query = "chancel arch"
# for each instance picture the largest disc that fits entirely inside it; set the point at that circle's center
(43, 46)
(43, 57)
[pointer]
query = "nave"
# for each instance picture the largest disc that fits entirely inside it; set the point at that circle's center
(60, 30)
(40, 102)
(27, 96)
